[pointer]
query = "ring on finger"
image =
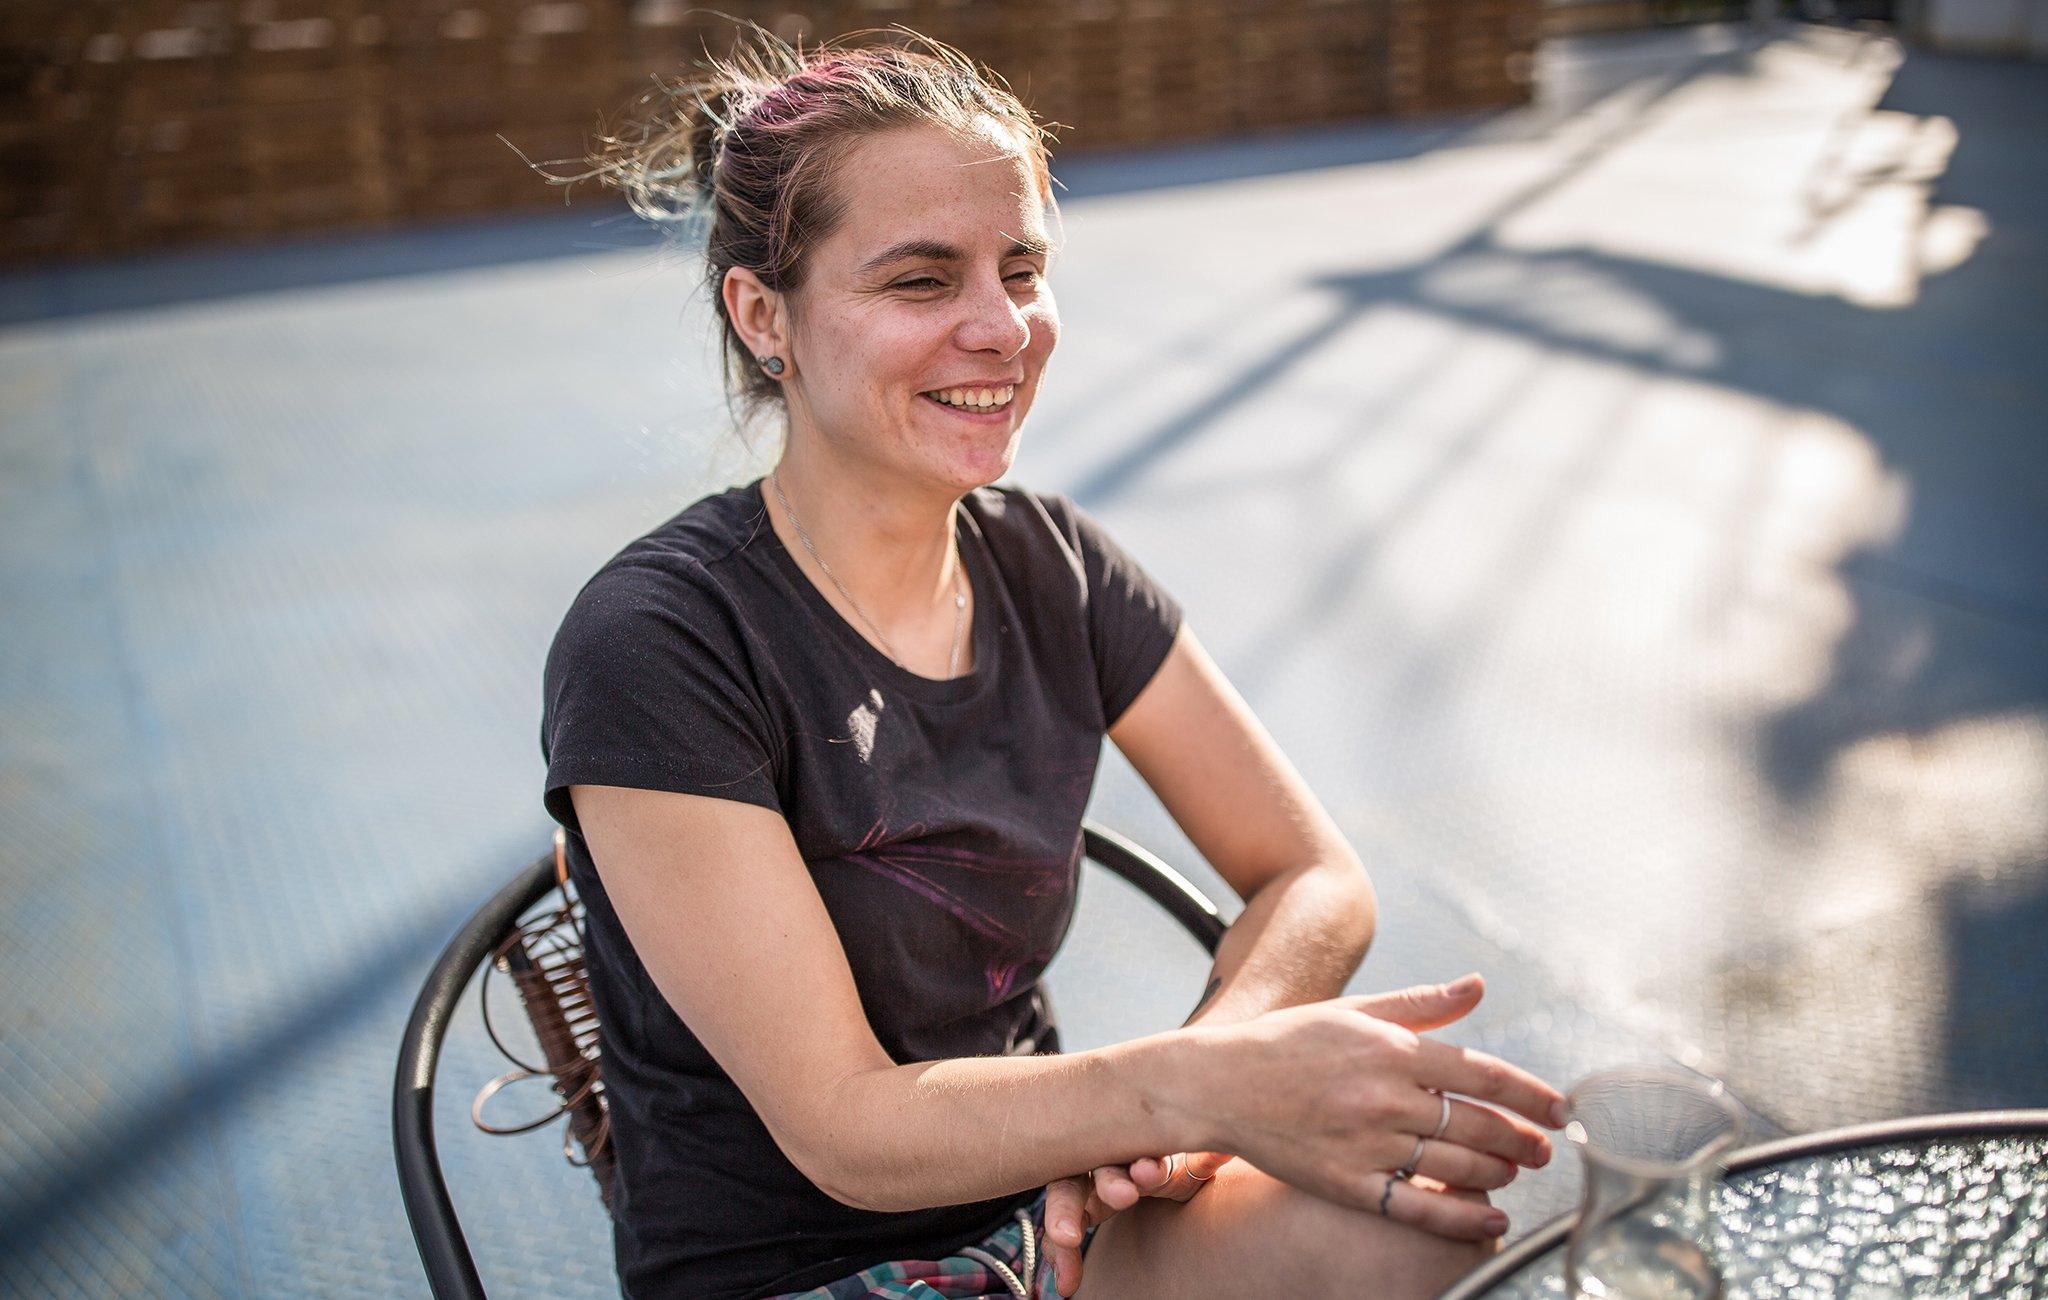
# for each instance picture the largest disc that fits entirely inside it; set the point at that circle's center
(1444, 1120)
(1408, 1170)
(1169, 1168)
(1387, 1192)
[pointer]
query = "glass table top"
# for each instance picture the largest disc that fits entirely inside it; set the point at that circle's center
(1944, 1216)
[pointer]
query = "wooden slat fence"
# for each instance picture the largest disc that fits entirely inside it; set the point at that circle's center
(132, 124)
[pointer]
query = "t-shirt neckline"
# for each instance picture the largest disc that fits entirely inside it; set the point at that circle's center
(987, 614)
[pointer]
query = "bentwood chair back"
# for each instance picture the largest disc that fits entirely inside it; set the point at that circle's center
(531, 930)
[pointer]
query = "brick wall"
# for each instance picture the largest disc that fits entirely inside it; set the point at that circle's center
(132, 124)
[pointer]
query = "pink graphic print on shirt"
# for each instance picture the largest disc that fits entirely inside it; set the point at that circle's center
(921, 866)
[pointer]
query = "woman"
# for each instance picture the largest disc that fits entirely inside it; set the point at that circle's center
(822, 744)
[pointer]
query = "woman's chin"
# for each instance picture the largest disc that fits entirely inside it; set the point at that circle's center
(996, 462)
(969, 468)
(972, 462)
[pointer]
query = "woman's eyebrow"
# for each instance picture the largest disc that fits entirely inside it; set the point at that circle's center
(939, 251)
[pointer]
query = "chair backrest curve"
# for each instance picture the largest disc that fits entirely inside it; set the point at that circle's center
(544, 956)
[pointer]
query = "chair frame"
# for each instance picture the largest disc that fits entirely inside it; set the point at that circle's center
(444, 1251)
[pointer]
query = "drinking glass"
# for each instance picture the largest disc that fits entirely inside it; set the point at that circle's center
(1653, 1143)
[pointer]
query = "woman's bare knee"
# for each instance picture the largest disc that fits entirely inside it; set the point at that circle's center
(1248, 1233)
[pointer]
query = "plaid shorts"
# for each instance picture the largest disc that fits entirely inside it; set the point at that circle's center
(957, 1276)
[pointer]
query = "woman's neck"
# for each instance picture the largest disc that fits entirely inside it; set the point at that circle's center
(892, 548)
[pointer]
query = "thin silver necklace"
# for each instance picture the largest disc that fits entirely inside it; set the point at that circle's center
(959, 595)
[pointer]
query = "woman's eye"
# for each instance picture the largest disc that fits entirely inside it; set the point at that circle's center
(928, 282)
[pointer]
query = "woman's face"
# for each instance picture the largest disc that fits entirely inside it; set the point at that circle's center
(924, 322)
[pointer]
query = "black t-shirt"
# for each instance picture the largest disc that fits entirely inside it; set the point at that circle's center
(940, 821)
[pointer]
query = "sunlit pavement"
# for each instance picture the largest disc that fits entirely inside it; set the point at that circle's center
(1627, 512)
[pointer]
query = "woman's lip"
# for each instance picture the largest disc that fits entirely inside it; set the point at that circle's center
(990, 416)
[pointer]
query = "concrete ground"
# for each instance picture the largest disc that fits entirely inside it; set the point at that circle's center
(1627, 512)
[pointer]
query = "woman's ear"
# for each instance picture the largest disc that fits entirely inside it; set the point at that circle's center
(756, 313)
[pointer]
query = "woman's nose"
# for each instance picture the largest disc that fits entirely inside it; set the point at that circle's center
(994, 321)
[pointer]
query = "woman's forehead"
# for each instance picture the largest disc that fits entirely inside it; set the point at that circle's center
(917, 190)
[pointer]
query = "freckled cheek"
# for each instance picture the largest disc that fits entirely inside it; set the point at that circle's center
(870, 357)
(1043, 338)
(1045, 335)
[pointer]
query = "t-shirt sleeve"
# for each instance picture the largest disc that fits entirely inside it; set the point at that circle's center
(647, 685)
(1132, 619)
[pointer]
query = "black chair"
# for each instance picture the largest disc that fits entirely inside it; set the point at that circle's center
(543, 955)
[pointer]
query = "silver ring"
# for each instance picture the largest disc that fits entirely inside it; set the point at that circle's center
(1408, 1170)
(1443, 1121)
(1170, 1168)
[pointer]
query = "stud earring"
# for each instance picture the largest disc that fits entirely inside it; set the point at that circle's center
(773, 365)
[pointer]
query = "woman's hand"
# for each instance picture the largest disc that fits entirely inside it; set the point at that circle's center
(1334, 1096)
(1075, 1204)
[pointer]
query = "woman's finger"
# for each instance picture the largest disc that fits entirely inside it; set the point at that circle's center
(1190, 1172)
(1476, 1074)
(1097, 1211)
(1114, 1185)
(1066, 1267)
(1425, 1006)
(1066, 1205)
(1443, 1212)
(1151, 1175)
(1456, 1166)
(1482, 1128)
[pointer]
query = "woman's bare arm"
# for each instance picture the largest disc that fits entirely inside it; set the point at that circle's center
(971, 1128)
(1310, 911)
(722, 911)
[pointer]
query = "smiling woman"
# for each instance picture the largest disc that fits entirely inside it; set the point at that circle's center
(756, 153)
(822, 744)
(834, 647)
